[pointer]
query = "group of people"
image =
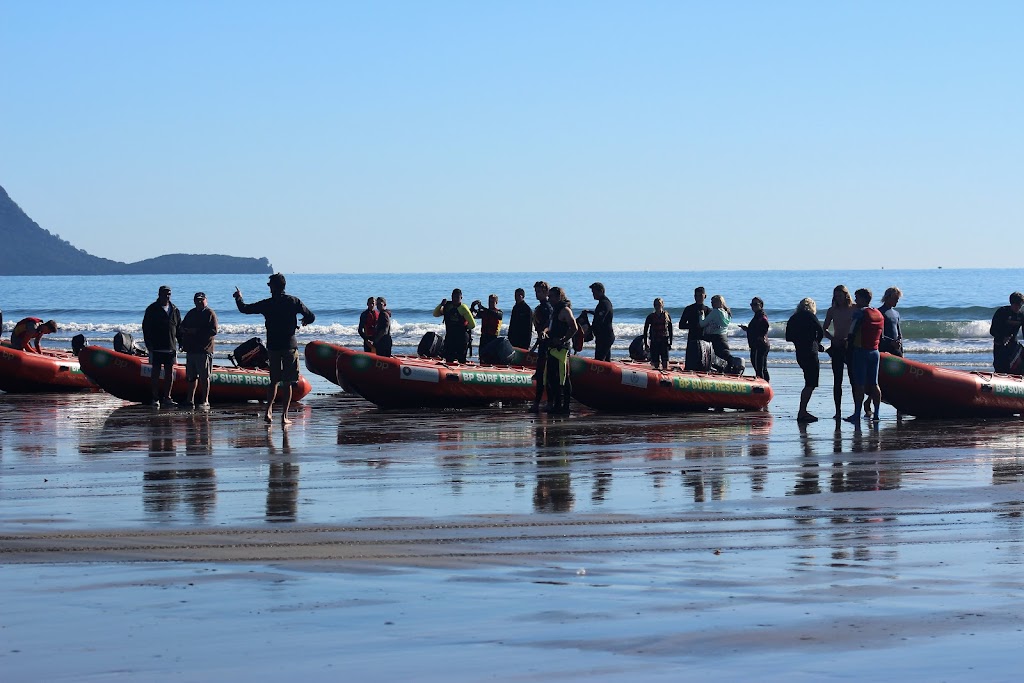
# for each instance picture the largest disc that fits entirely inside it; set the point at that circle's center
(165, 332)
(858, 335)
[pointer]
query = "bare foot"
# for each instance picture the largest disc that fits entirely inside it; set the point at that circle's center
(855, 418)
(285, 420)
(268, 418)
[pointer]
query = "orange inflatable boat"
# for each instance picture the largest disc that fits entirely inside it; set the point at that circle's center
(413, 382)
(633, 386)
(50, 371)
(128, 378)
(926, 390)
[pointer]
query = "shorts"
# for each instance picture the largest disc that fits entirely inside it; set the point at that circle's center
(865, 367)
(808, 362)
(284, 366)
(198, 365)
(163, 359)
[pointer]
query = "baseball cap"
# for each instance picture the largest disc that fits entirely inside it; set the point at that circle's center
(165, 288)
(199, 295)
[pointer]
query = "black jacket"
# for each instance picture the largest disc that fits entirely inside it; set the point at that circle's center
(159, 329)
(280, 312)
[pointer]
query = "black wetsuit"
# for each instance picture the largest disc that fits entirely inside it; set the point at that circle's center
(456, 334)
(541, 320)
(559, 394)
(601, 326)
(757, 340)
(690, 321)
(1006, 323)
(520, 328)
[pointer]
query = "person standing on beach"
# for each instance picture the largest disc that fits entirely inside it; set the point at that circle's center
(658, 335)
(541, 321)
(690, 321)
(840, 317)
(520, 326)
(757, 338)
(280, 312)
(1006, 323)
(559, 340)
(601, 323)
(382, 329)
(458, 323)
(490, 319)
(26, 334)
(197, 333)
(864, 337)
(804, 330)
(160, 333)
(368, 324)
(892, 335)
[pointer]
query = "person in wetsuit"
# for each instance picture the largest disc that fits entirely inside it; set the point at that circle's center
(601, 323)
(382, 329)
(806, 333)
(757, 338)
(658, 335)
(541, 322)
(458, 323)
(520, 322)
(1006, 323)
(559, 337)
(490, 319)
(368, 324)
(690, 321)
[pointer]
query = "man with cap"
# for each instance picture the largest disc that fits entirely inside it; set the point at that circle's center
(601, 323)
(279, 312)
(160, 326)
(197, 332)
(26, 334)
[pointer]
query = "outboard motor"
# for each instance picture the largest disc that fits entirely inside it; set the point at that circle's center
(431, 346)
(498, 351)
(78, 342)
(124, 343)
(251, 354)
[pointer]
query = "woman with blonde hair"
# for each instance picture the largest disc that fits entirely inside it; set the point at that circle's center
(716, 327)
(840, 316)
(806, 333)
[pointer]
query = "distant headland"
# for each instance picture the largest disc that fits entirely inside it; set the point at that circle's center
(31, 250)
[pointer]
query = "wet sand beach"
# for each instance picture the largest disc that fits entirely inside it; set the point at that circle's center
(358, 544)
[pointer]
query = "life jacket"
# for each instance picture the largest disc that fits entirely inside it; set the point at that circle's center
(558, 327)
(659, 326)
(490, 321)
(868, 330)
(370, 322)
(453, 319)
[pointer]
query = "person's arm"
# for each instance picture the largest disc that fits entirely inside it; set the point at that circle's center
(570, 320)
(467, 315)
(35, 342)
(828, 321)
(383, 328)
(362, 326)
(439, 309)
(307, 315)
(647, 329)
(682, 320)
(243, 307)
(214, 324)
(668, 326)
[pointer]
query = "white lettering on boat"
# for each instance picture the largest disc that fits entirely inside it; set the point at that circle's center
(712, 385)
(505, 378)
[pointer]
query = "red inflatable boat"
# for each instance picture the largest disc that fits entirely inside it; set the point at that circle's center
(51, 371)
(128, 378)
(412, 382)
(929, 391)
(631, 386)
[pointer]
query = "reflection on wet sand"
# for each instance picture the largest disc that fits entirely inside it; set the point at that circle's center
(282, 479)
(171, 482)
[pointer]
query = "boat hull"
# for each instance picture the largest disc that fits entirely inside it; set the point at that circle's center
(413, 382)
(128, 378)
(924, 390)
(50, 371)
(630, 386)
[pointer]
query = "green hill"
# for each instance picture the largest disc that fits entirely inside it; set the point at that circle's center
(31, 250)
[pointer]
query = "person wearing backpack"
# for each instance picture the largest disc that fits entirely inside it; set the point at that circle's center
(658, 335)
(160, 333)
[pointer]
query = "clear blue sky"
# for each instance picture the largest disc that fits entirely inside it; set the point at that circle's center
(474, 136)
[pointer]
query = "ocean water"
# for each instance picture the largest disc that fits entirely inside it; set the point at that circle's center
(946, 313)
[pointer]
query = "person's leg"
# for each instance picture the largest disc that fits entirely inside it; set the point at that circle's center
(154, 376)
(539, 377)
(193, 384)
(271, 397)
(838, 367)
(554, 386)
(286, 399)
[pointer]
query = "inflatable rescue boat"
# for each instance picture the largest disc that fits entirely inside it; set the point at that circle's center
(413, 382)
(926, 390)
(634, 386)
(128, 378)
(49, 371)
